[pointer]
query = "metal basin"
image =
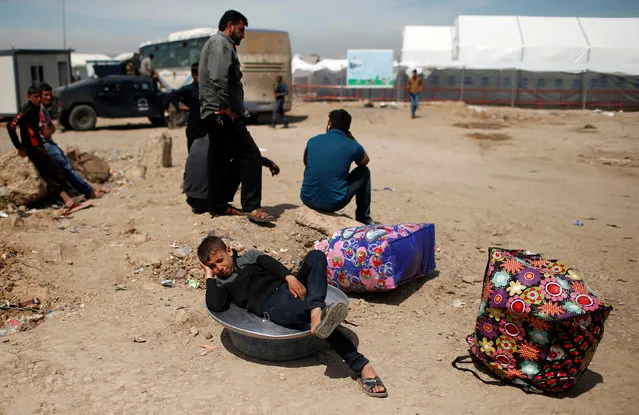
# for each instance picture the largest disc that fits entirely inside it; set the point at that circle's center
(263, 339)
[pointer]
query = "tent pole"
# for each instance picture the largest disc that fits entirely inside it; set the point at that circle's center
(513, 89)
(584, 89)
(461, 90)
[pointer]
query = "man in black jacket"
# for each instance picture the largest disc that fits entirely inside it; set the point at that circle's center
(265, 287)
(188, 98)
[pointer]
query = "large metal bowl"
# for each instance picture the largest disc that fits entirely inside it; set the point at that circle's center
(263, 339)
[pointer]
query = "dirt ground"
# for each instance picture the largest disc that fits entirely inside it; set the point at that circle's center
(119, 342)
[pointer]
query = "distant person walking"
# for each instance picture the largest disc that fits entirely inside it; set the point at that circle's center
(414, 88)
(281, 91)
(146, 67)
(222, 109)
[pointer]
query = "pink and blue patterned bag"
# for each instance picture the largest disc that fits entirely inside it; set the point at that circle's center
(539, 324)
(379, 257)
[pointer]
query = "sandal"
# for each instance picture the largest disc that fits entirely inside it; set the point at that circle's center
(259, 216)
(369, 383)
(332, 316)
(230, 211)
(69, 209)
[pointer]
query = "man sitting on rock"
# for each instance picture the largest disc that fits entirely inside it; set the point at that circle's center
(265, 287)
(328, 185)
(30, 144)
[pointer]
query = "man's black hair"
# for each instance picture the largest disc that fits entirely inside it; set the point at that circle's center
(231, 16)
(340, 119)
(34, 90)
(151, 56)
(194, 68)
(45, 87)
(209, 245)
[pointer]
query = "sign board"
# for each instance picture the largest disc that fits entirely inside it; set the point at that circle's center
(370, 69)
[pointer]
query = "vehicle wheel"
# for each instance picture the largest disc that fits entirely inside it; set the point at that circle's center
(82, 118)
(158, 121)
(179, 118)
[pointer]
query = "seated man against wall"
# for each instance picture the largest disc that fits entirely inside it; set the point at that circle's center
(328, 184)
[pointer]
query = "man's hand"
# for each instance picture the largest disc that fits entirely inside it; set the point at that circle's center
(22, 153)
(275, 169)
(207, 271)
(296, 288)
(183, 107)
(228, 113)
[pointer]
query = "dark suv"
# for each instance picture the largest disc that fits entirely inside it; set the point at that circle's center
(113, 96)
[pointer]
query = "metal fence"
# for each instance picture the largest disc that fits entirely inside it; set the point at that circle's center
(586, 90)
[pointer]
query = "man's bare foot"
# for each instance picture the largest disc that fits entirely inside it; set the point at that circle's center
(369, 373)
(97, 194)
(316, 319)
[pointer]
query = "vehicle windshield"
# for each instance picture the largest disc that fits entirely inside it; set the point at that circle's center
(180, 54)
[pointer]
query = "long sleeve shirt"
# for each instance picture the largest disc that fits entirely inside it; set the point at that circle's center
(220, 77)
(254, 278)
(190, 96)
(281, 91)
(29, 120)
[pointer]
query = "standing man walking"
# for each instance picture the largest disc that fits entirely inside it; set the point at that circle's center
(281, 91)
(414, 88)
(222, 110)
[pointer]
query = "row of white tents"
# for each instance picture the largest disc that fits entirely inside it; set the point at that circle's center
(534, 43)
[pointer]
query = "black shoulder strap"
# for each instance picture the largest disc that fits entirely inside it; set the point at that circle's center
(467, 359)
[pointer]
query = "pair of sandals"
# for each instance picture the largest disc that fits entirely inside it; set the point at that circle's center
(257, 216)
(333, 316)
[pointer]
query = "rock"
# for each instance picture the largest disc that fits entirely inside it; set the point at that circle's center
(208, 335)
(138, 339)
(90, 166)
(204, 353)
(282, 376)
(136, 172)
(20, 179)
(194, 331)
(420, 313)
(458, 303)
(181, 274)
(156, 151)
(589, 127)
(326, 223)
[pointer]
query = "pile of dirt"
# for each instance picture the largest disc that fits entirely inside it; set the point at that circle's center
(481, 125)
(20, 180)
(489, 137)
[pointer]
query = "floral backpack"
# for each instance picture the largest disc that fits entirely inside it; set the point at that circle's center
(379, 257)
(539, 324)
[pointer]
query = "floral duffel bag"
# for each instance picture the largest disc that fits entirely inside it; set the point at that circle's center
(539, 324)
(379, 257)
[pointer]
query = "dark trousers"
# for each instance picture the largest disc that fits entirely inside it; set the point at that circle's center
(192, 134)
(279, 110)
(50, 172)
(284, 309)
(228, 141)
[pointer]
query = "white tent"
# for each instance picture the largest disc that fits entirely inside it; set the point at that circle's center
(427, 45)
(488, 39)
(612, 40)
(82, 63)
(553, 40)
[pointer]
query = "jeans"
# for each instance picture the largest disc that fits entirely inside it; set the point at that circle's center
(284, 309)
(69, 172)
(230, 140)
(279, 110)
(414, 103)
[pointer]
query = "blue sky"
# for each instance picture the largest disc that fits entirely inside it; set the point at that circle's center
(327, 27)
